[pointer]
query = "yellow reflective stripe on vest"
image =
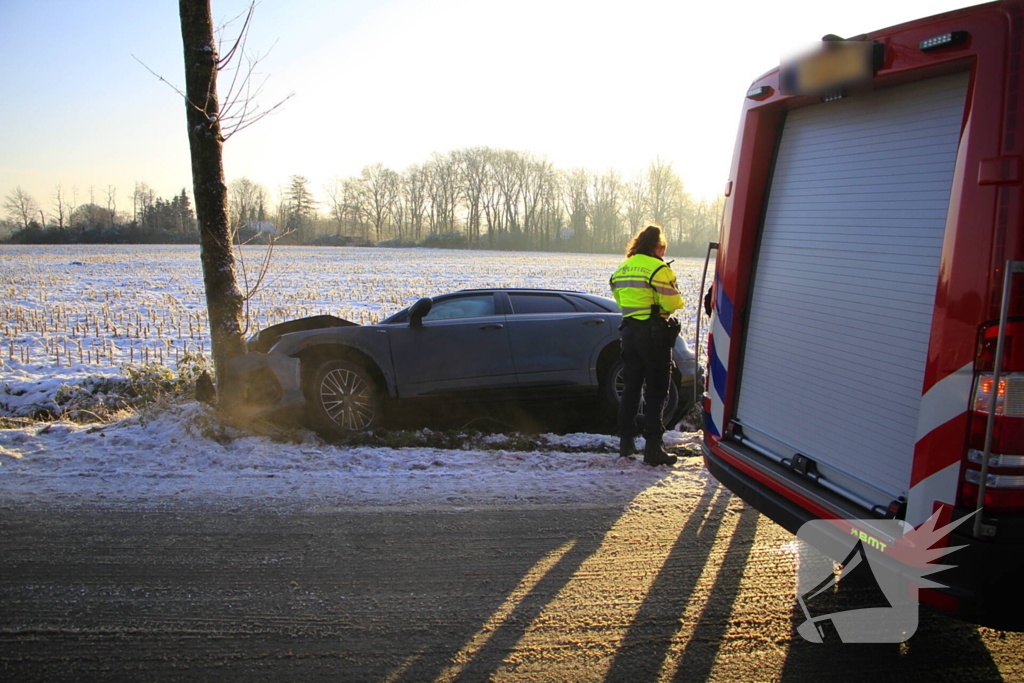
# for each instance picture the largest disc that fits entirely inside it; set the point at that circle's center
(642, 281)
(639, 284)
(632, 312)
(665, 291)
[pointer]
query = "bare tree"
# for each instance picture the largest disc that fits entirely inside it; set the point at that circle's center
(664, 191)
(206, 140)
(707, 221)
(508, 178)
(111, 204)
(442, 185)
(335, 191)
(21, 207)
(474, 168)
(577, 204)
(414, 197)
(493, 203)
(605, 207)
(538, 175)
(247, 205)
(635, 205)
(61, 206)
(142, 199)
(381, 193)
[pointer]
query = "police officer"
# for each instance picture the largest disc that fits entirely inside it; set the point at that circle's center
(645, 288)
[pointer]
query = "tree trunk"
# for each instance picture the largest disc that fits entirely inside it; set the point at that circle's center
(223, 298)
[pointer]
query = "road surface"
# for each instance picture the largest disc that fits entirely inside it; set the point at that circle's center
(664, 588)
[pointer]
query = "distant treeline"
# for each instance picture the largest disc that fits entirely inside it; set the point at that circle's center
(476, 198)
(153, 220)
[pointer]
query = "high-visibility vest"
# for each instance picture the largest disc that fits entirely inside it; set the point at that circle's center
(642, 281)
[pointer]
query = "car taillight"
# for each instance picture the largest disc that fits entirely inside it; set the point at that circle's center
(1004, 481)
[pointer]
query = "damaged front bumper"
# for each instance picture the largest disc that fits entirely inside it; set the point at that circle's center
(264, 386)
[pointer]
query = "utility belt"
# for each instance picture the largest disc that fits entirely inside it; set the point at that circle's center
(671, 326)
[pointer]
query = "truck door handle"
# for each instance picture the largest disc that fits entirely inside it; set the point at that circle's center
(599, 321)
(492, 326)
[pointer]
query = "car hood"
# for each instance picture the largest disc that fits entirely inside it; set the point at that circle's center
(265, 339)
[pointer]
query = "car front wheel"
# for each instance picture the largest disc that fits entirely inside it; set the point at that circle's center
(343, 398)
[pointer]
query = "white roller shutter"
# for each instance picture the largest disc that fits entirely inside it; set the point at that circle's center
(845, 278)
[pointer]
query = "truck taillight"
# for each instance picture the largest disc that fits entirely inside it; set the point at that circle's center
(1004, 484)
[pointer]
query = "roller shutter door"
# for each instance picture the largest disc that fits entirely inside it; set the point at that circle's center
(844, 283)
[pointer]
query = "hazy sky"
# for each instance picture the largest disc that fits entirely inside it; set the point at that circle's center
(595, 84)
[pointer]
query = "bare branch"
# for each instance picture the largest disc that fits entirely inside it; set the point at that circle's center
(170, 85)
(243, 35)
(239, 108)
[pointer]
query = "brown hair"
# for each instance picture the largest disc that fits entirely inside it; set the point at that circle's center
(646, 241)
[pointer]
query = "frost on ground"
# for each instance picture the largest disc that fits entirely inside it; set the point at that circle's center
(184, 455)
(80, 324)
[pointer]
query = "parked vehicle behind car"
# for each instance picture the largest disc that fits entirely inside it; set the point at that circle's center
(469, 346)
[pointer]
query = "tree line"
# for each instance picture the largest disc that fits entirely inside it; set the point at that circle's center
(149, 220)
(476, 197)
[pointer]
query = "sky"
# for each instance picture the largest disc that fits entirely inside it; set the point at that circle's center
(594, 84)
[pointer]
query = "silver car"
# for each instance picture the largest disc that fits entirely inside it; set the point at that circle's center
(469, 346)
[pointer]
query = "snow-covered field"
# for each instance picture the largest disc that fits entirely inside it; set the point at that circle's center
(71, 313)
(106, 305)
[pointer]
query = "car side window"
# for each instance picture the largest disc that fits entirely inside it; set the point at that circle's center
(540, 303)
(589, 306)
(462, 307)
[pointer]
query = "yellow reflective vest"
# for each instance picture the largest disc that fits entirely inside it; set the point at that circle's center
(642, 281)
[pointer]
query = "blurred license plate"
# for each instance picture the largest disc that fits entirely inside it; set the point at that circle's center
(837, 64)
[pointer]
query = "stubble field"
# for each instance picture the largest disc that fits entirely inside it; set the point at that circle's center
(109, 305)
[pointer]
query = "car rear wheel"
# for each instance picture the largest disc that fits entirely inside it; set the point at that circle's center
(614, 385)
(343, 398)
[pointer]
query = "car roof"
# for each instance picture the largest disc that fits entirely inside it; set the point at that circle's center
(523, 289)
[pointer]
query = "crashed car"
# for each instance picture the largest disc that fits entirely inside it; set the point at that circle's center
(471, 345)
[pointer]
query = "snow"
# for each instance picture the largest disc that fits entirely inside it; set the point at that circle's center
(74, 314)
(24, 388)
(185, 455)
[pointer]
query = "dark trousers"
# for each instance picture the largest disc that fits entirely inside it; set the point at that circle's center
(647, 366)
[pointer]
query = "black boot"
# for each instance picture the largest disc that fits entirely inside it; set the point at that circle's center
(627, 448)
(654, 454)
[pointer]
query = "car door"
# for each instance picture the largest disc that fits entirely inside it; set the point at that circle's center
(461, 345)
(554, 341)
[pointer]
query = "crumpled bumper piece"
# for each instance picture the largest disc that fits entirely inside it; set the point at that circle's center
(264, 385)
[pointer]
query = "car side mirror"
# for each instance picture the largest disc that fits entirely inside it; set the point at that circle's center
(419, 310)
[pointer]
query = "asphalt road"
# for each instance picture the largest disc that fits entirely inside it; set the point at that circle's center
(664, 588)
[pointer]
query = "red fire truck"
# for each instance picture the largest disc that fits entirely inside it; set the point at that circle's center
(866, 345)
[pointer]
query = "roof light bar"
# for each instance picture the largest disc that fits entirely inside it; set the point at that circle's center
(945, 40)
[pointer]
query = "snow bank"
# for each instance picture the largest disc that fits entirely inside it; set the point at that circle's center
(184, 456)
(25, 389)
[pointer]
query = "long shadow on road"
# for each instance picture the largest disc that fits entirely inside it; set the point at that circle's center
(643, 653)
(942, 649)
